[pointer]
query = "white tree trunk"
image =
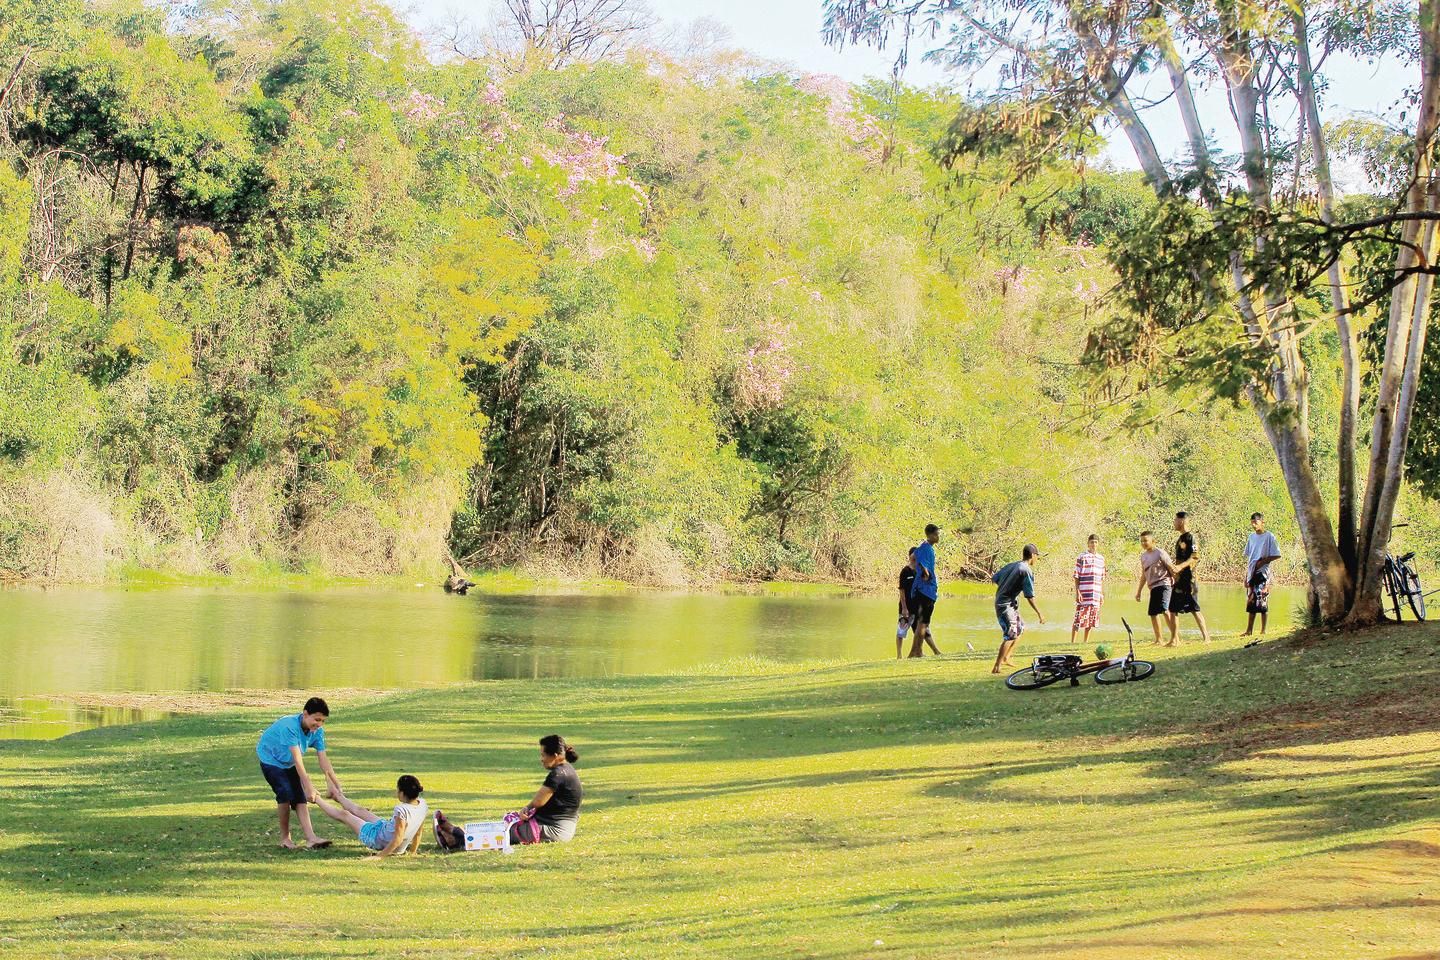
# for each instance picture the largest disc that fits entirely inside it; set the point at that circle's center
(1285, 412)
(1404, 338)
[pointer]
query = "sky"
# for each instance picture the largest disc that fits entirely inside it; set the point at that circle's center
(789, 31)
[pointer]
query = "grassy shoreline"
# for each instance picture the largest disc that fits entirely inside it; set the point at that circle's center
(1279, 802)
(499, 582)
(508, 581)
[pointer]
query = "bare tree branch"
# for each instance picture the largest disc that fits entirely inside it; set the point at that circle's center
(561, 32)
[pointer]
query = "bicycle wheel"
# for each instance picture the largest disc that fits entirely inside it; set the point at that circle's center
(1031, 679)
(1414, 593)
(1390, 580)
(1125, 672)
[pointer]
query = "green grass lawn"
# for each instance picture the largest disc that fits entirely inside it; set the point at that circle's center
(1275, 802)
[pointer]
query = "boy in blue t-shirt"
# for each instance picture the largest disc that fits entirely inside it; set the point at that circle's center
(924, 591)
(280, 749)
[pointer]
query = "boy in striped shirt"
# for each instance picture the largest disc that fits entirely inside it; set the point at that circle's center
(1089, 589)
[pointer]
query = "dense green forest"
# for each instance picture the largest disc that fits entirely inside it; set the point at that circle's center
(280, 290)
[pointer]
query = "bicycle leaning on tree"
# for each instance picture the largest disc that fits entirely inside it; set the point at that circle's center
(1402, 582)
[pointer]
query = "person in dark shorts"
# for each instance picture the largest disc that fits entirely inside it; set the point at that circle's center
(907, 620)
(1011, 581)
(280, 749)
(1261, 550)
(1184, 596)
(1157, 572)
(554, 813)
(924, 591)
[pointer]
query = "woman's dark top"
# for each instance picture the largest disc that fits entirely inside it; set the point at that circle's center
(564, 804)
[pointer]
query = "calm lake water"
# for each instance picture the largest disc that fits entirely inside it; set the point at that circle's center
(60, 644)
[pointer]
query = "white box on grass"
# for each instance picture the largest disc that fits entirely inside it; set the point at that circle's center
(488, 835)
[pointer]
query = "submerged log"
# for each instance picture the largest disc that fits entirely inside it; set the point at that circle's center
(457, 582)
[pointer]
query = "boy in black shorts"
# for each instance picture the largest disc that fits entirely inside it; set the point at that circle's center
(1183, 595)
(924, 591)
(907, 581)
(1158, 573)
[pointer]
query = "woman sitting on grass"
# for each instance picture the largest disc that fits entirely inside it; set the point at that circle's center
(554, 813)
(388, 836)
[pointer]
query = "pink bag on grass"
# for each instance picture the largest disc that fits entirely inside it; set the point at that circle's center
(523, 830)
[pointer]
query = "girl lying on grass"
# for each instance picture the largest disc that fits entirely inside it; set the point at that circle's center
(388, 836)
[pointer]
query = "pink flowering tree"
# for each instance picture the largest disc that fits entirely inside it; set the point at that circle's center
(841, 110)
(784, 437)
(585, 159)
(765, 370)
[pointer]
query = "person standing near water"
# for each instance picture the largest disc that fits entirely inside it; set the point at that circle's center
(1183, 596)
(924, 591)
(1011, 581)
(1261, 550)
(1089, 588)
(902, 626)
(281, 750)
(1158, 573)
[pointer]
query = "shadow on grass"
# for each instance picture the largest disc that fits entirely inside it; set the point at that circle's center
(96, 801)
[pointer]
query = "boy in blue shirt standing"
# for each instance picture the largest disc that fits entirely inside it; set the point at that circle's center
(280, 750)
(924, 591)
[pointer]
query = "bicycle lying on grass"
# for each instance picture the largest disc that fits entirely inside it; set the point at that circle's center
(1402, 582)
(1050, 668)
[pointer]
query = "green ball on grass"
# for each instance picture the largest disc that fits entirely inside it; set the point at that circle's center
(1102, 652)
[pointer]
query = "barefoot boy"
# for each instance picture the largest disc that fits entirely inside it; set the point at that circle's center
(280, 750)
(1185, 598)
(1011, 581)
(1089, 588)
(902, 627)
(924, 591)
(1261, 550)
(1157, 572)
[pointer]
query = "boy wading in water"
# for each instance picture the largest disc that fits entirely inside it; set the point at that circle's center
(1011, 581)
(924, 591)
(1261, 550)
(1158, 573)
(1089, 588)
(1184, 598)
(280, 750)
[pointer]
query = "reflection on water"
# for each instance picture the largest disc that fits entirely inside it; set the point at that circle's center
(68, 641)
(39, 718)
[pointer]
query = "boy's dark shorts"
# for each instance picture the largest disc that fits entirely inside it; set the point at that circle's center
(1257, 598)
(1159, 600)
(285, 782)
(922, 608)
(1184, 601)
